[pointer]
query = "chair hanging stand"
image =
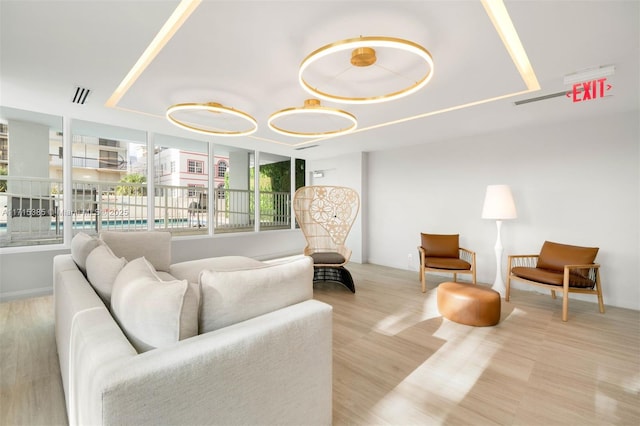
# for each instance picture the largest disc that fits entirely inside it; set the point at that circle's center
(340, 275)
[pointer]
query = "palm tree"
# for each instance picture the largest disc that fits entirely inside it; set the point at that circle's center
(137, 188)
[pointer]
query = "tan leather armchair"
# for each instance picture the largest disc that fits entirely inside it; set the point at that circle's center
(442, 253)
(558, 267)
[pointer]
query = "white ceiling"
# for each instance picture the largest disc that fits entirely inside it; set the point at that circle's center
(246, 54)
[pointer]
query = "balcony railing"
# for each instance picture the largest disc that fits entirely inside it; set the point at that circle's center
(91, 163)
(33, 209)
(30, 211)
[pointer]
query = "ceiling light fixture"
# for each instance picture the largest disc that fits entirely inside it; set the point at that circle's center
(503, 24)
(221, 112)
(166, 33)
(392, 61)
(311, 107)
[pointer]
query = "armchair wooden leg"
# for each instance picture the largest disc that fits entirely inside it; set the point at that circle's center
(508, 291)
(599, 291)
(553, 294)
(565, 294)
(423, 279)
(565, 305)
(455, 277)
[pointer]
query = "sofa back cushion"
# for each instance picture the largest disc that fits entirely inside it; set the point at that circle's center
(439, 245)
(554, 256)
(81, 245)
(229, 297)
(190, 269)
(151, 312)
(155, 246)
(102, 269)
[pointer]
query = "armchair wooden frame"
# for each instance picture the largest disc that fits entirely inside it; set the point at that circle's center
(531, 260)
(465, 254)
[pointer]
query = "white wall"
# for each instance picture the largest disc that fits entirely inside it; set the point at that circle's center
(349, 171)
(575, 183)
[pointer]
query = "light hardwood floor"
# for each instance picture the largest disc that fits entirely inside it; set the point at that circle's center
(396, 361)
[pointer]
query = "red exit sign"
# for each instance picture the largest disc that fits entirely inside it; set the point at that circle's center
(589, 90)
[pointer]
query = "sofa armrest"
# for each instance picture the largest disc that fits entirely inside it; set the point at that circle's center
(272, 369)
(72, 294)
(96, 345)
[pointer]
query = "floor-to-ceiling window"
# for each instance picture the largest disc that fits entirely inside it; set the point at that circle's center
(181, 185)
(233, 194)
(274, 191)
(109, 178)
(31, 203)
(129, 180)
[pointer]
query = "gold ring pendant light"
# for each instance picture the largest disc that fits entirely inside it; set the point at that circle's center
(311, 107)
(364, 55)
(214, 108)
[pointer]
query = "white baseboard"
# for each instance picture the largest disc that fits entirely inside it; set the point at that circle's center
(25, 294)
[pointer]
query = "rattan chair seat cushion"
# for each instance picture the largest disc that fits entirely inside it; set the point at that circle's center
(327, 258)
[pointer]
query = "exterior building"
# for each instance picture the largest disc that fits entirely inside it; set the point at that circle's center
(175, 167)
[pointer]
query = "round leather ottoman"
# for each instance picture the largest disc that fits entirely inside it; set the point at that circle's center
(469, 304)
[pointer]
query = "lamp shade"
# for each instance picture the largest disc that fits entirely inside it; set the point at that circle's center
(498, 203)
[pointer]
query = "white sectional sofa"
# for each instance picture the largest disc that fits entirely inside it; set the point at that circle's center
(226, 340)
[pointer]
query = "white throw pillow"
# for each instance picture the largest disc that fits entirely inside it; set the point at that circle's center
(81, 245)
(151, 312)
(229, 297)
(102, 269)
(155, 246)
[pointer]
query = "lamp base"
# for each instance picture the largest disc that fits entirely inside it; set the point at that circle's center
(499, 286)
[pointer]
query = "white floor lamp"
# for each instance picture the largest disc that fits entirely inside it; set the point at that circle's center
(499, 205)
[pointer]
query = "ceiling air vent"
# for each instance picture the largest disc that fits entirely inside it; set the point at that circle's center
(305, 147)
(80, 95)
(540, 98)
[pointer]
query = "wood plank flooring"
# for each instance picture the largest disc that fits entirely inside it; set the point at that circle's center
(30, 384)
(397, 362)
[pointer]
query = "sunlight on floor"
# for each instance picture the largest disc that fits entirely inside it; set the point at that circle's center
(398, 322)
(452, 371)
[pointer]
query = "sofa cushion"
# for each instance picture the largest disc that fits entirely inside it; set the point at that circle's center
(229, 297)
(155, 246)
(102, 269)
(554, 256)
(439, 245)
(81, 245)
(190, 270)
(153, 313)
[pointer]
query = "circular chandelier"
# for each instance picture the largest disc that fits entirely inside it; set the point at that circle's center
(211, 119)
(312, 110)
(395, 66)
